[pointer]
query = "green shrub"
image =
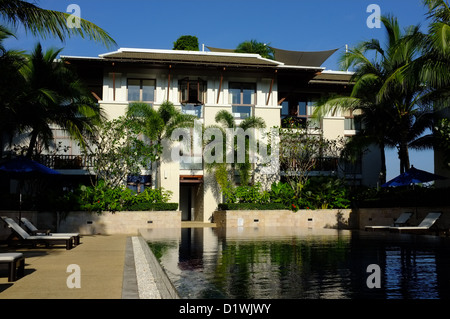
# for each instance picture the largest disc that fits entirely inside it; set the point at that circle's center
(251, 206)
(147, 206)
(104, 198)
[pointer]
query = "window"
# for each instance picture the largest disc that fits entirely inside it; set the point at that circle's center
(242, 96)
(352, 122)
(299, 113)
(192, 91)
(141, 90)
(284, 109)
(242, 93)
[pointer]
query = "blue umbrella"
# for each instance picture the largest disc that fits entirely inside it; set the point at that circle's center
(412, 176)
(22, 168)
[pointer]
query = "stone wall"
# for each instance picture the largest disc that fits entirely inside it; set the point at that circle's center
(327, 218)
(106, 223)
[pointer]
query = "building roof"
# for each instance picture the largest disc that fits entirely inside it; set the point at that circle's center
(225, 58)
(190, 57)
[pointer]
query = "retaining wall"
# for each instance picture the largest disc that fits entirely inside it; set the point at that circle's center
(106, 223)
(326, 218)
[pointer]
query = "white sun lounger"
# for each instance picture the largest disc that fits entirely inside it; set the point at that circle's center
(401, 220)
(25, 238)
(426, 223)
(35, 231)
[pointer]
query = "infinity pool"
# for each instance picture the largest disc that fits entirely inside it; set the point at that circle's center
(279, 263)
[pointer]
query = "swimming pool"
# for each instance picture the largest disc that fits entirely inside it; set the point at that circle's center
(284, 263)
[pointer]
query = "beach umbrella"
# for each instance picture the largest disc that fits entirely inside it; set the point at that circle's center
(412, 176)
(22, 168)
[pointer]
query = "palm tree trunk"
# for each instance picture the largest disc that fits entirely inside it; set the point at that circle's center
(383, 164)
(31, 146)
(403, 155)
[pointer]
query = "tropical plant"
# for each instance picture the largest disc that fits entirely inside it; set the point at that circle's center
(51, 94)
(158, 125)
(11, 84)
(102, 197)
(47, 23)
(253, 46)
(397, 112)
(161, 123)
(225, 173)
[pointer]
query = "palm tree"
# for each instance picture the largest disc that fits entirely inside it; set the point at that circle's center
(254, 46)
(49, 22)
(11, 83)
(226, 120)
(394, 113)
(159, 124)
(54, 96)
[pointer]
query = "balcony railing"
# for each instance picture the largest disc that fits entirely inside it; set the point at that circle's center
(191, 109)
(65, 161)
(319, 164)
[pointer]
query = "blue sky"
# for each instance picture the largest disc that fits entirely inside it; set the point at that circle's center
(302, 25)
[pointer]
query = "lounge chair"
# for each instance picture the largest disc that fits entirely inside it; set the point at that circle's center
(424, 225)
(35, 231)
(16, 264)
(400, 221)
(22, 237)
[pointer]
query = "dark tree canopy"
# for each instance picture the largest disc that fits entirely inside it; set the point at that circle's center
(186, 42)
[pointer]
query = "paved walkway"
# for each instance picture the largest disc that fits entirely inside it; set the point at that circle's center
(101, 260)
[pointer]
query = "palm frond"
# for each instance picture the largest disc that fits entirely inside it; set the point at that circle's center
(50, 23)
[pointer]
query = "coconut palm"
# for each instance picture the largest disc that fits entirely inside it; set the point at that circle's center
(160, 123)
(395, 112)
(53, 95)
(11, 83)
(226, 120)
(49, 22)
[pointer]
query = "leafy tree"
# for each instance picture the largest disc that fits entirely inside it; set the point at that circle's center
(118, 150)
(50, 22)
(253, 46)
(186, 42)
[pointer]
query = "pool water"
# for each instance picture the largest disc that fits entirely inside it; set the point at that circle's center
(281, 263)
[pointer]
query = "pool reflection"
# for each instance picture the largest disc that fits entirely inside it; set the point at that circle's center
(276, 263)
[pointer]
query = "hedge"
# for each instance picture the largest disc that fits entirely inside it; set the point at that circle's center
(251, 206)
(152, 207)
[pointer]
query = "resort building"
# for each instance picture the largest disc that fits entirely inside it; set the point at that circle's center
(202, 83)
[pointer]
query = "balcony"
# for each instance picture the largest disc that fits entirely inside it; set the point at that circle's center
(195, 164)
(65, 161)
(300, 121)
(242, 112)
(192, 109)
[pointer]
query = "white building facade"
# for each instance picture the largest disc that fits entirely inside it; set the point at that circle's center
(203, 83)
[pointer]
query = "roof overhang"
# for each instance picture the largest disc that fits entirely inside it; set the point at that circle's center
(190, 57)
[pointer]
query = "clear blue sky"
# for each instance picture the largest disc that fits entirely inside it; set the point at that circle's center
(286, 24)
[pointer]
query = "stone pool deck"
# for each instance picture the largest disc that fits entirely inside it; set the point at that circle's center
(102, 263)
